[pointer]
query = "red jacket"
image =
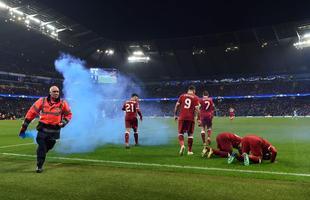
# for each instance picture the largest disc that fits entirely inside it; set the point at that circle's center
(51, 113)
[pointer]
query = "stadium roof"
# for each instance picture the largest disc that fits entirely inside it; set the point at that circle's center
(157, 19)
(92, 30)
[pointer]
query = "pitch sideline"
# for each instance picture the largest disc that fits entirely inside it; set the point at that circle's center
(15, 145)
(162, 165)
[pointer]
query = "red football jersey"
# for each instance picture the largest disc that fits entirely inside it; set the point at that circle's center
(207, 107)
(254, 139)
(231, 138)
(266, 146)
(131, 108)
(188, 102)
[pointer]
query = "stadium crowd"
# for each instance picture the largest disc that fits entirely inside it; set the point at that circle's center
(231, 89)
(11, 108)
(243, 107)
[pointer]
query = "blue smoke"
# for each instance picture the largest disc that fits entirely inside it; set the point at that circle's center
(97, 119)
(32, 134)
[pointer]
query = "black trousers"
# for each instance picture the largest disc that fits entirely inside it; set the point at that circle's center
(46, 141)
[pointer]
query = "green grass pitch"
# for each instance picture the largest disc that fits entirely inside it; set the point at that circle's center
(157, 172)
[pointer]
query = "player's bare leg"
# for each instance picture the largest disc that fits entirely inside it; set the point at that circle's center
(190, 140)
(209, 131)
(127, 138)
(255, 159)
(203, 136)
(181, 142)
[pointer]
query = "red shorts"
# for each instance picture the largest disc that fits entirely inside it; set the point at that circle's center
(206, 121)
(132, 123)
(231, 115)
(252, 146)
(186, 126)
(224, 144)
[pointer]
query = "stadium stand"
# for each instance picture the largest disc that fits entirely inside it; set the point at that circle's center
(27, 55)
(244, 106)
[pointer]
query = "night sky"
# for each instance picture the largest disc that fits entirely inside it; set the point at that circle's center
(141, 20)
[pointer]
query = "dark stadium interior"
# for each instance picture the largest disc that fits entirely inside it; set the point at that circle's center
(182, 49)
(154, 100)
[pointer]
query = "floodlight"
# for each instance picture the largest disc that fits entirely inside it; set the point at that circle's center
(15, 11)
(55, 34)
(51, 27)
(136, 59)
(3, 5)
(307, 35)
(303, 42)
(138, 53)
(109, 52)
(32, 18)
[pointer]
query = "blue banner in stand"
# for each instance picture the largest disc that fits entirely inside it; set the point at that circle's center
(261, 96)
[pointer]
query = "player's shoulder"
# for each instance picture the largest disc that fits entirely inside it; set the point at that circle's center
(226, 133)
(252, 136)
(193, 96)
(183, 95)
(236, 136)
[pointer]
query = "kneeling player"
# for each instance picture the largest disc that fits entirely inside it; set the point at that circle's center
(225, 143)
(255, 149)
(131, 108)
(205, 117)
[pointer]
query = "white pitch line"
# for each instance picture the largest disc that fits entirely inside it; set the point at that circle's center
(15, 145)
(163, 165)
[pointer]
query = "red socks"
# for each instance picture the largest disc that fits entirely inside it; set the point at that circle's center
(209, 132)
(136, 138)
(181, 139)
(203, 137)
(255, 159)
(222, 154)
(190, 143)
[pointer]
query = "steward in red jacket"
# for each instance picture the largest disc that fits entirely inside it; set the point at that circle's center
(54, 114)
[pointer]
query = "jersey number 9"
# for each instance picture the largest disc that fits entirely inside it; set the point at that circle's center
(187, 103)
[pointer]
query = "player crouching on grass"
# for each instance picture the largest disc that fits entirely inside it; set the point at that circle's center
(188, 105)
(254, 149)
(226, 142)
(131, 108)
